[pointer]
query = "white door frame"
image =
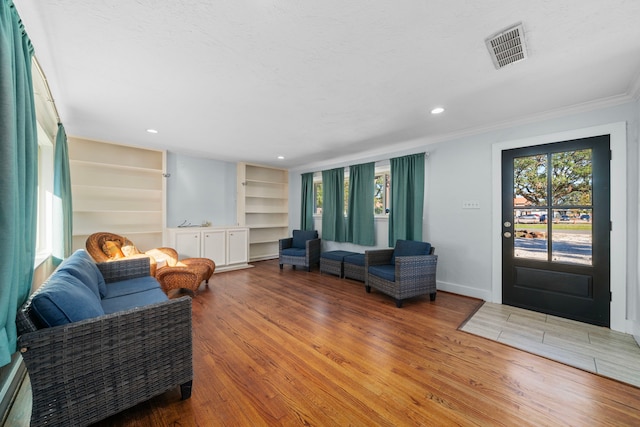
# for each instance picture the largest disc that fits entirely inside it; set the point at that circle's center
(618, 278)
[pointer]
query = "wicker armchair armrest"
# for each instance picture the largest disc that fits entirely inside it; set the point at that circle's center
(377, 257)
(416, 268)
(285, 243)
(123, 269)
(85, 371)
(313, 247)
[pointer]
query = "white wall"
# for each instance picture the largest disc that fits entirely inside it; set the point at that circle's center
(461, 169)
(200, 189)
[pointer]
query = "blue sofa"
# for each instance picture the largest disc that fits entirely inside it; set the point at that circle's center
(99, 338)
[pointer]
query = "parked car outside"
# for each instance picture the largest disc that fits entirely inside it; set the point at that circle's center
(585, 217)
(527, 219)
(565, 218)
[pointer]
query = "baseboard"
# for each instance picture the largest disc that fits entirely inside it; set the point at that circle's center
(483, 294)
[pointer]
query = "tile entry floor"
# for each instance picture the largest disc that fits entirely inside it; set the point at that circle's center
(591, 348)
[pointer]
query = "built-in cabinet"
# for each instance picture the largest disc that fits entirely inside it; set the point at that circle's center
(228, 247)
(118, 189)
(263, 207)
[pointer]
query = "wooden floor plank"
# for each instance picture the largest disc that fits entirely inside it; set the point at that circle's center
(285, 347)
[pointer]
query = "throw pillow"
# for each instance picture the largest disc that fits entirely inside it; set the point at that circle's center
(112, 250)
(128, 250)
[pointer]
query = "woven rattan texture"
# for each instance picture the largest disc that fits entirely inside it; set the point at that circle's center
(331, 266)
(414, 275)
(353, 271)
(311, 258)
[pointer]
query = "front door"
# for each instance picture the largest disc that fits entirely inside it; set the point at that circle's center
(555, 225)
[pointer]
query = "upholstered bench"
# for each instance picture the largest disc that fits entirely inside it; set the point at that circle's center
(331, 262)
(353, 267)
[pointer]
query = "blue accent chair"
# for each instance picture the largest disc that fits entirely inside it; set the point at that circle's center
(406, 271)
(302, 249)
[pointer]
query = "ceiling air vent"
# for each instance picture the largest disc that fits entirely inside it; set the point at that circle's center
(507, 46)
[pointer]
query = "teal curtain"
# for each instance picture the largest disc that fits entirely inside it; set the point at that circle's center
(333, 225)
(407, 198)
(360, 228)
(62, 207)
(306, 210)
(18, 174)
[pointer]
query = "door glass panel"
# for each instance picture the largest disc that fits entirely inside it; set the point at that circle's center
(572, 236)
(571, 178)
(530, 234)
(563, 199)
(530, 181)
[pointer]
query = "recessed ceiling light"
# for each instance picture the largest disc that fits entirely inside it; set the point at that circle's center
(152, 131)
(437, 110)
(280, 157)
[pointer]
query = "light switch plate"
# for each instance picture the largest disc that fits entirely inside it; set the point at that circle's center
(470, 204)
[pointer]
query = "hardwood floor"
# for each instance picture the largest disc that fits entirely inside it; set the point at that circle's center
(294, 348)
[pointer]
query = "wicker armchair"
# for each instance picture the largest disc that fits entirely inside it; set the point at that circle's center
(302, 249)
(104, 247)
(172, 273)
(400, 272)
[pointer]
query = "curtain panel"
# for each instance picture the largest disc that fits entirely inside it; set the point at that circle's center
(306, 210)
(333, 223)
(62, 205)
(360, 226)
(18, 174)
(407, 198)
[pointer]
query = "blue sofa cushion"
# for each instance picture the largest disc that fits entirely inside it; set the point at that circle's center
(356, 259)
(81, 266)
(129, 301)
(386, 272)
(65, 299)
(294, 252)
(131, 286)
(336, 255)
(410, 248)
(300, 238)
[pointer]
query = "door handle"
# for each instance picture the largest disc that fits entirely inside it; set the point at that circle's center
(507, 234)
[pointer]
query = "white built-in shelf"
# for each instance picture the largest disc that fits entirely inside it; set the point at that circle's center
(263, 206)
(118, 189)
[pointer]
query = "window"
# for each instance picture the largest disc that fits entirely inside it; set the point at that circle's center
(317, 197)
(44, 234)
(381, 198)
(46, 123)
(382, 192)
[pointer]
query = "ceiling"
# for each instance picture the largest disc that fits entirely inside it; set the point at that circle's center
(315, 80)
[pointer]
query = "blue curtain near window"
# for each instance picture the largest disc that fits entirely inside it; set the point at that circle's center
(306, 212)
(407, 198)
(62, 206)
(18, 174)
(333, 225)
(360, 229)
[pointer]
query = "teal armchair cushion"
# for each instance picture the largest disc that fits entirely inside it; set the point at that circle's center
(65, 299)
(410, 248)
(300, 237)
(81, 266)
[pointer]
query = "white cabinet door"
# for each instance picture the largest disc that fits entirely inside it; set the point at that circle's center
(187, 243)
(237, 246)
(214, 246)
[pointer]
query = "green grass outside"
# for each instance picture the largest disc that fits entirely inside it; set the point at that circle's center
(558, 226)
